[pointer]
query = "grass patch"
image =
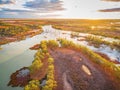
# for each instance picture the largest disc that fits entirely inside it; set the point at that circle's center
(97, 41)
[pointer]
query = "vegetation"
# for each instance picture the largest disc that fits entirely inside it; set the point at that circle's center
(43, 62)
(19, 29)
(50, 83)
(74, 34)
(41, 57)
(65, 43)
(33, 85)
(43, 47)
(16, 30)
(116, 44)
(97, 41)
(0, 48)
(107, 66)
(107, 28)
(7, 29)
(52, 44)
(37, 63)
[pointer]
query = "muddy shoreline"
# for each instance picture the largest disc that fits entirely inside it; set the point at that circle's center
(17, 79)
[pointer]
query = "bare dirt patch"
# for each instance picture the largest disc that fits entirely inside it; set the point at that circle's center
(69, 64)
(67, 85)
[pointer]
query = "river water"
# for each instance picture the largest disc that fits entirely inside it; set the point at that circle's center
(16, 55)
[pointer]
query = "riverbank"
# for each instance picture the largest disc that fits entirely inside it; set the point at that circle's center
(20, 36)
(20, 77)
(22, 56)
(73, 68)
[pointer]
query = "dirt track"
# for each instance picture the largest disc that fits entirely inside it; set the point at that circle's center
(74, 71)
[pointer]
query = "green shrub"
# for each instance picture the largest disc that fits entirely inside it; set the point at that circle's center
(33, 85)
(65, 43)
(97, 41)
(50, 83)
(50, 60)
(52, 43)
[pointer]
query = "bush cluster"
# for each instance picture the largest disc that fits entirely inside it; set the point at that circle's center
(37, 64)
(50, 83)
(33, 85)
(97, 41)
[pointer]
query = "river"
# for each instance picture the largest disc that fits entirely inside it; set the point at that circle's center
(16, 55)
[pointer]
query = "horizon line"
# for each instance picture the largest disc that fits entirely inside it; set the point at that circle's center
(63, 18)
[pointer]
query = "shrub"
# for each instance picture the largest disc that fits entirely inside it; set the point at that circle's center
(33, 85)
(65, 43)
(116, 44)
(50, 60)
(74, 34)
(97, 41)
(52, 43)
(50, 83)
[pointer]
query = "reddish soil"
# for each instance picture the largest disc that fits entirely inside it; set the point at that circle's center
(70, 75)
(41, 73)
(35, 47)
(19, 81)
(24, 80)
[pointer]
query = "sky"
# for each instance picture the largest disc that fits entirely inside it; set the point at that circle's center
(78, 9)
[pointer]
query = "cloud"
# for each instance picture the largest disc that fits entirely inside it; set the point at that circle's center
(49, 15)
(17, 13)
(110, 10)
(13, 10)
(112, 0)
(30, 8)
(6, 2)
(14, 13)
(45, 5)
